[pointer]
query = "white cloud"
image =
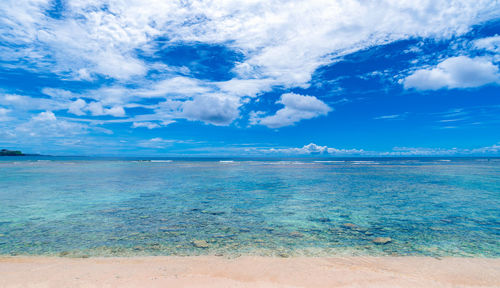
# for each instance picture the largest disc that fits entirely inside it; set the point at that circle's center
(493, 149)
(156, 143)
(455, 72)
(149, 125)
(3, 114)
(314, 149)
(96, 109)
(283, 41)
(216, 109)
(297, 108)
(77, 107)
(392, 116)
(213, 109)
(26, 103)
(491, 44)
(46, 125)
(160, 143)
(423, 151)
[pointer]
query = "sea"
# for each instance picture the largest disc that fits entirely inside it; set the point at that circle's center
(288, 207)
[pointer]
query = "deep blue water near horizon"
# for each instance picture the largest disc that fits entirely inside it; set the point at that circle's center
(76, 206)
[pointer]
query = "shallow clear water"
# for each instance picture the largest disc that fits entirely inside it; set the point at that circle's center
(121, 207)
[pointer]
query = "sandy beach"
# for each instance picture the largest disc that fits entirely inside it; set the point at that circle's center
(211, 271)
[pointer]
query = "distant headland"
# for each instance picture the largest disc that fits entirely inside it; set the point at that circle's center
(6, 152)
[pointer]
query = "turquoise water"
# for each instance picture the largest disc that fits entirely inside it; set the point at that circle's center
(88, 207)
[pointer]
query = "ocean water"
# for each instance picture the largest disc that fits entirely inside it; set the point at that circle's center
(80, 207)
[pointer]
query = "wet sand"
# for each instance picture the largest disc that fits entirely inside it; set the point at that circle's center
(212, 271)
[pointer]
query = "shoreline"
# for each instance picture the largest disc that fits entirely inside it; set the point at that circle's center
(248, 271)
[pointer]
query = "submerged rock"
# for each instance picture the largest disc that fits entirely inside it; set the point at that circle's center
(321, 220)
(381, 240)
(200, 244)
(215, 213)
(296, 234)
(350, 226)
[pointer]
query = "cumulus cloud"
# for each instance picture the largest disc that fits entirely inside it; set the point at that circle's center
(297, 108)
(314, 149)
(79, 107)
(455, 72)
(46, 124)
(149, 125)
(217, 110)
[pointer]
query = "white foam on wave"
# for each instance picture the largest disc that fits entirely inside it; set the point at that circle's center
(226, 161)
(364, 162)
(285, 163)
(329, 161)
(160, 161)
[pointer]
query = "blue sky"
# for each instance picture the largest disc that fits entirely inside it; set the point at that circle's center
(250, 78)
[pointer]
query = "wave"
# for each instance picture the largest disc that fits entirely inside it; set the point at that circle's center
(364, 162)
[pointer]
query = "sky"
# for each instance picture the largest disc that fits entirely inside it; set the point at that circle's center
(250, 78)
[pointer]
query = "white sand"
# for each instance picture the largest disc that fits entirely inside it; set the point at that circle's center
(211, 271)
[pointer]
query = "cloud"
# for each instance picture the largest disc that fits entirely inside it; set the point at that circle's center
(423, 151)
(156, 143)
(455, 72)
(297, 108)
(217, 110)
(97, 109)
(149, 125)
(79, 107)
(491, 44)
(283, 42)
(3, 114)
(46, 125)
(314, 150)
(27, 103)
(394, 116)
(160, 143)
